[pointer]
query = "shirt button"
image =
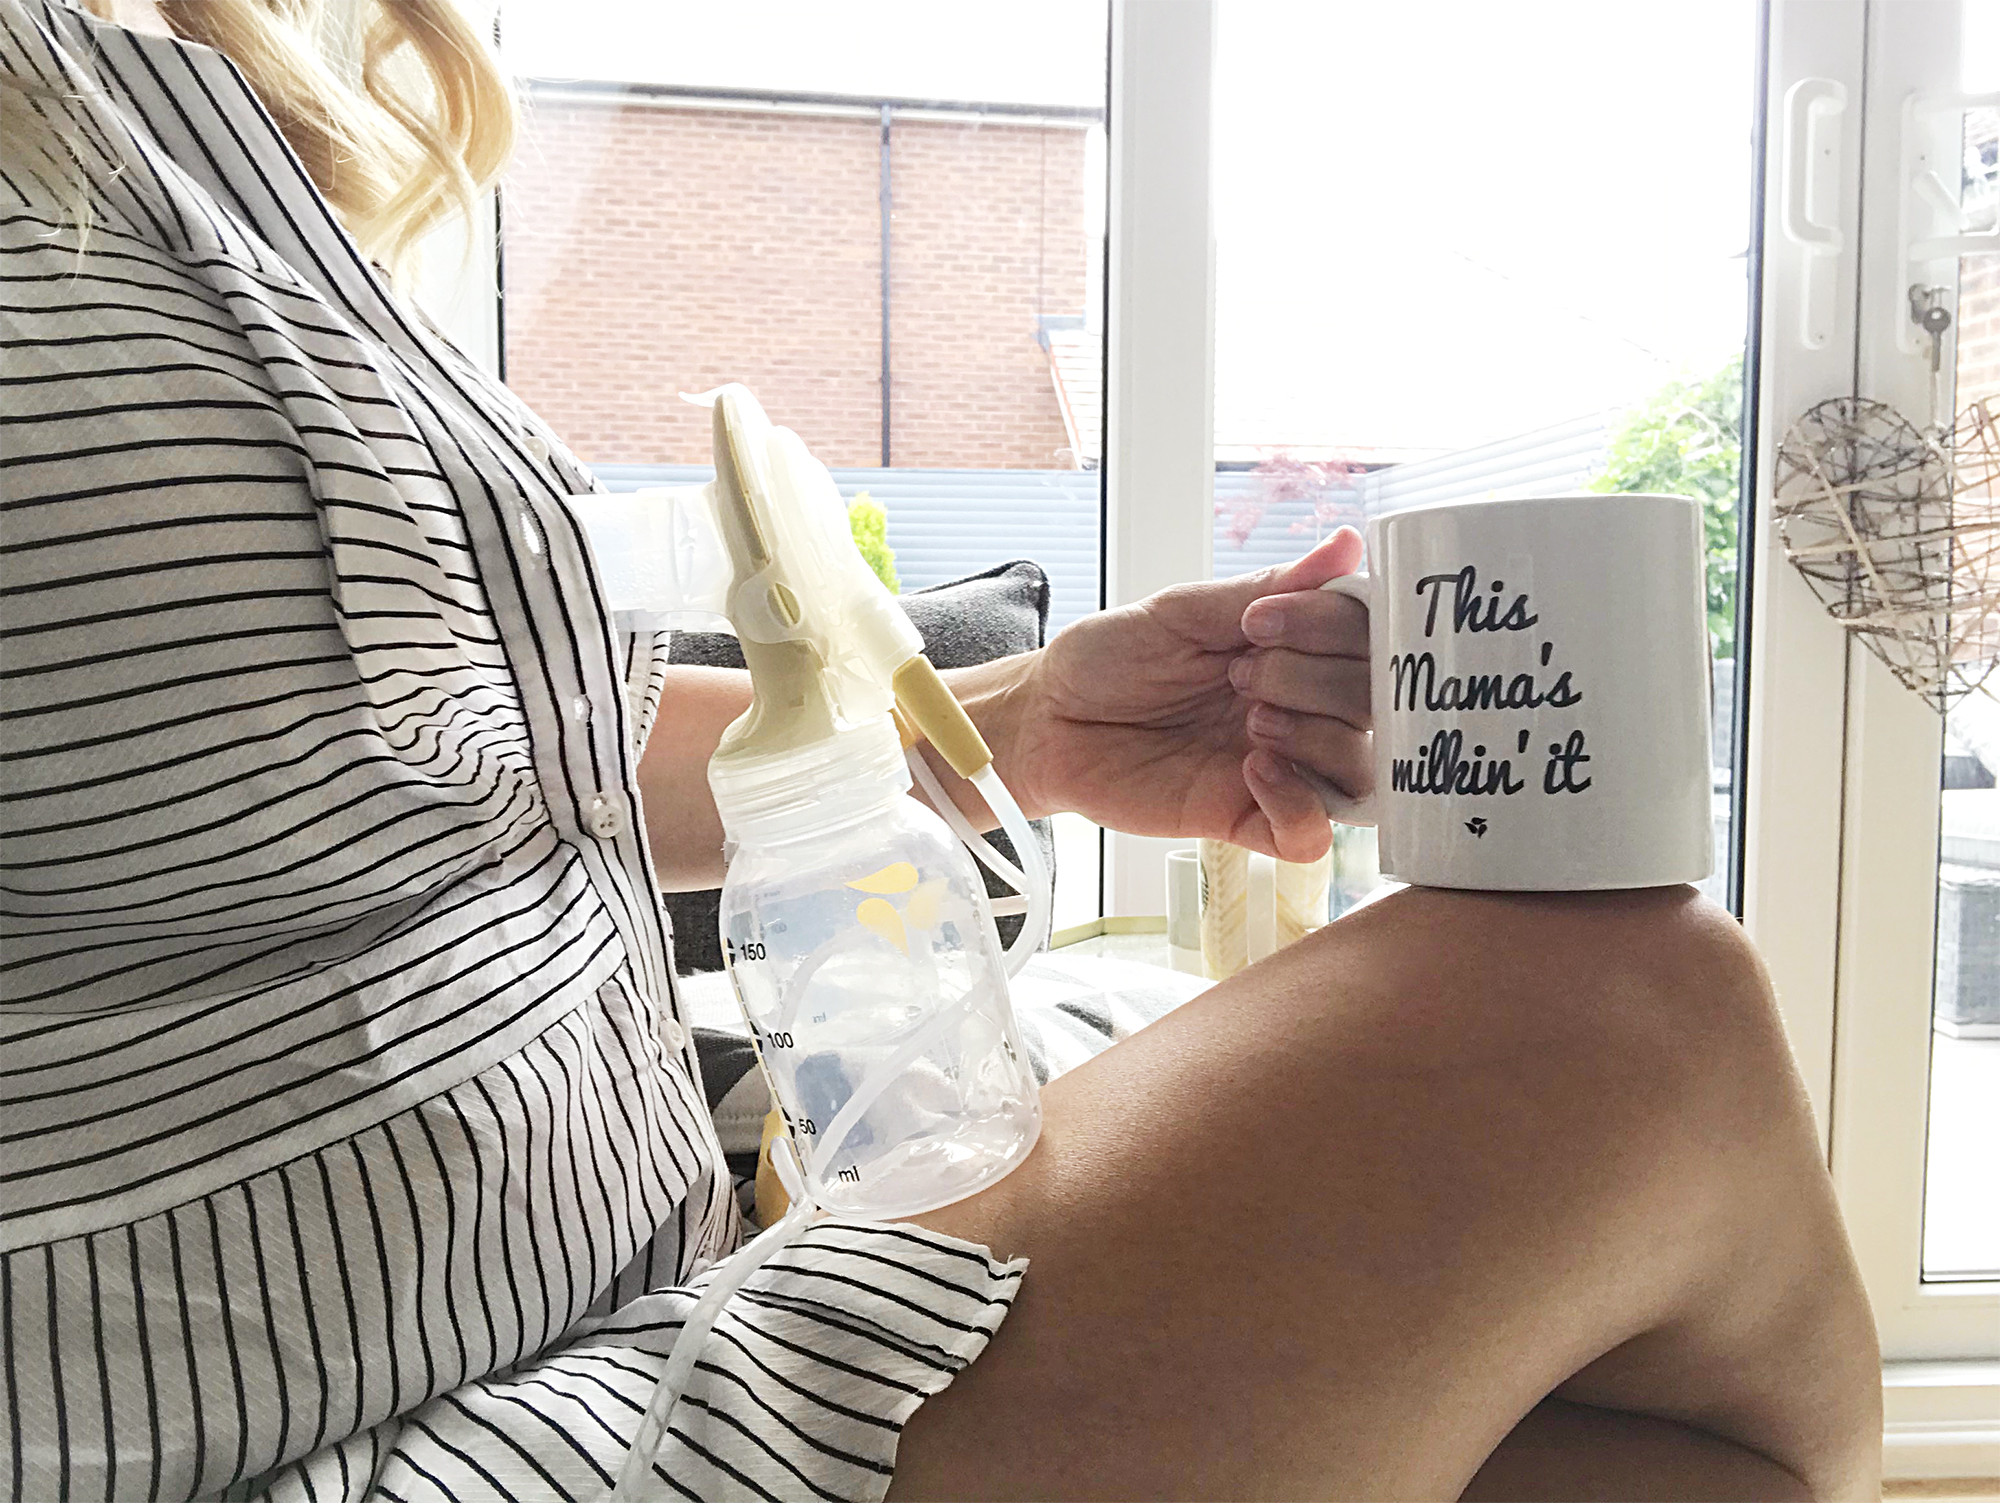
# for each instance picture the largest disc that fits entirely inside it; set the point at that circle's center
(537, 446)
(676, 1036)
(603, 818)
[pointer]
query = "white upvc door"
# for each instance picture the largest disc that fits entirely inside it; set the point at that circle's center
(458, 282)
(1840, 814)
(1842, 868)
(1797, 654)
(1894, 745)
(1887, 948)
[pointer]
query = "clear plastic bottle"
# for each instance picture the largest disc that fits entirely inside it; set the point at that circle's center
(859, 938)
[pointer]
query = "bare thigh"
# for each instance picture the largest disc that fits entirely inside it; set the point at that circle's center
(1337, 1228)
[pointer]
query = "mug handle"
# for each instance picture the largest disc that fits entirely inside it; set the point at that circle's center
(1339, 805)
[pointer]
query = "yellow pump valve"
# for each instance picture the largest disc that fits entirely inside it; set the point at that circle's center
(925, 700)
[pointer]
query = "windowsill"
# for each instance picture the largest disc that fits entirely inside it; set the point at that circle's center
(1941, 1419)
(1147, 946)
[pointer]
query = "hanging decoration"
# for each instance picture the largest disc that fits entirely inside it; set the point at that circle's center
(1898, 533)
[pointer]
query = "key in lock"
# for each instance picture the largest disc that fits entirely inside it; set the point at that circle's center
(1928, 312)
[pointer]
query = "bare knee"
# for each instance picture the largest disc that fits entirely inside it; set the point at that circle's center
(1657, 984)
(1612, 1063)
(1643, 1028)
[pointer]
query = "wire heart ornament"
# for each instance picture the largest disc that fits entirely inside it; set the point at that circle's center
(1898, 533)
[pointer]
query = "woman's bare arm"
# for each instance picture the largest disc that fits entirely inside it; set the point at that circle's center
(682, 828)
(681, 822)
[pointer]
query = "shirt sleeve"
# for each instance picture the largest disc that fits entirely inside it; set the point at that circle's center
(645, 677)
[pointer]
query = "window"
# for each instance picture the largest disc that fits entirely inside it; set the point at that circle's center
(885, 218)
(1453, 246)
(1839, 816)
(1961, 1207)
(1472, 250)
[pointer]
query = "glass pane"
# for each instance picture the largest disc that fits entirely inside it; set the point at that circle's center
(1961, 1210)
(1468, 250)
(885, 217)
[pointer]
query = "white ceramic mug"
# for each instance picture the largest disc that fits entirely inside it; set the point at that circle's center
(1539, 671)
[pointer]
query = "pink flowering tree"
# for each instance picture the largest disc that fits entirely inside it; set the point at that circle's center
(1281, 477)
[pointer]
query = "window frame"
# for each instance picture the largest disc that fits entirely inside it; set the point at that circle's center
(1794, 725)
(1159, 410)
(459, 286)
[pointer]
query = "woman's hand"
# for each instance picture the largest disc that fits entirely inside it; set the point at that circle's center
(1184, 714)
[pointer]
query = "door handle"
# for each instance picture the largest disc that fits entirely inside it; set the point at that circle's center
(1809, 198)
(1929, 204)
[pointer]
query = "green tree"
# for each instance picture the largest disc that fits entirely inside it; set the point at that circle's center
(1686, 440)
(869, 523)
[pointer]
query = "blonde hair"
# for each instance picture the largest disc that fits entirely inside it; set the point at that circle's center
(396, 108)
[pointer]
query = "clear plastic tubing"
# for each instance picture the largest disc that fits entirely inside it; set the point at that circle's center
(1036, 930)
(1033, 885)
(954, 816)
(636, 1483)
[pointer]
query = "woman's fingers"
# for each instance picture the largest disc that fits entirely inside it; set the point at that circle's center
(1307, 682)
(1213, 612)
(1309, 621)
(1332, 748)
(1297, 819)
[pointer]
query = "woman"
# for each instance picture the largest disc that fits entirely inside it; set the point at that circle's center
(352, 1140)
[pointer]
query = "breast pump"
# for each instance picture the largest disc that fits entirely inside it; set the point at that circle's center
(859, 938)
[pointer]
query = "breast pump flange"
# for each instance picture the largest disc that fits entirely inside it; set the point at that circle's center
(855, 928)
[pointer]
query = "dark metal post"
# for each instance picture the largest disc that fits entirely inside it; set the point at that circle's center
(887, 209)
(1749, 468)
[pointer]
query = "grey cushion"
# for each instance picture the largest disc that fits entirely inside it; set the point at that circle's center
(971, 620)
(994, 614)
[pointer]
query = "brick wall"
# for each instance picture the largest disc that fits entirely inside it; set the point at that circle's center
(1978, 329)
(1979, 291)
(651, 250)
(988, 232)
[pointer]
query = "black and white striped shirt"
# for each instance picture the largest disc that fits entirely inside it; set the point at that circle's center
(339, 1056)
